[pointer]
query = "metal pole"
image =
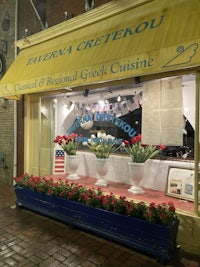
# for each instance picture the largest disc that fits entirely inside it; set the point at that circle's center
(15, 101)
(196, 146)
(37, 14)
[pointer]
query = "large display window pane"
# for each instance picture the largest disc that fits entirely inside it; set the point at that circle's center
(162, 110)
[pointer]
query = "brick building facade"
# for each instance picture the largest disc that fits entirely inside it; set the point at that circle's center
(7, 127)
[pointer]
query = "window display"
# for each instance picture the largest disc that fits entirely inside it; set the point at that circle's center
(161, 110)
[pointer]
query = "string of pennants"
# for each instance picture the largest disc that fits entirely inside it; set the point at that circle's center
(117, 109)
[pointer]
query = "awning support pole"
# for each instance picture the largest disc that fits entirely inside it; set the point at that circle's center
(196, 148)
(37, 14)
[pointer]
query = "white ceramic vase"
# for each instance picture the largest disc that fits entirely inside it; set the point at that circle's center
(136, 172)
(102, 166)
(72, 166)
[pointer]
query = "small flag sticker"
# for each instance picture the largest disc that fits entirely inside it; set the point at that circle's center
(59, 162)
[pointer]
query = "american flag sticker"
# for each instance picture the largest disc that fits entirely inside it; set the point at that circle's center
(59, 162)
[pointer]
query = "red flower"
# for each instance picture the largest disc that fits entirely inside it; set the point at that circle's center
(172, 209)
(171, 204)
(162, 147)
(126, 142)
(136, 139)
(163, 215)
(157, 213)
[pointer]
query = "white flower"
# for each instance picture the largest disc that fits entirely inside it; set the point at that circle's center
(102, 145)
(101, 135)
(85, 143)
(123, 144)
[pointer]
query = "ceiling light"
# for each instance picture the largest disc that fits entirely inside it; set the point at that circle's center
(118, 98)
(101, 102)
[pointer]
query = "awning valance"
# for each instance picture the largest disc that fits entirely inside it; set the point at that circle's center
(135, 39)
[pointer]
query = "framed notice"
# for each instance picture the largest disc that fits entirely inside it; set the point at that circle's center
(180, 183)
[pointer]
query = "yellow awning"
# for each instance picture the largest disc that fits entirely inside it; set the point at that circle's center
(120, 40)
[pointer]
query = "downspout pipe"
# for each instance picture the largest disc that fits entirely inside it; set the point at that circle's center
(15, 101)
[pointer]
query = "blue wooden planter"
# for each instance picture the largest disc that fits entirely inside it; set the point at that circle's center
(156, 239)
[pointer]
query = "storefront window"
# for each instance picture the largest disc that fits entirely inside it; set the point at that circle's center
(162, 110)
(47, 117)
(40, 130)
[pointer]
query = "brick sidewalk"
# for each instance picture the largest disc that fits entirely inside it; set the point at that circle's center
(29, 240)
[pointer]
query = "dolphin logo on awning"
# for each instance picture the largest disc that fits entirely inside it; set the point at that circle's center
(184, 55)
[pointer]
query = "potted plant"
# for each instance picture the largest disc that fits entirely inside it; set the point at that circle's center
(70, 145)
(139, 154)
(102, 146)
(150, 227)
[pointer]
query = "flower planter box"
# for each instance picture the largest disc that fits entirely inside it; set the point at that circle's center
(155, 239)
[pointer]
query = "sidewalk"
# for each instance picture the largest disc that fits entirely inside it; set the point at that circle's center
(30, 240)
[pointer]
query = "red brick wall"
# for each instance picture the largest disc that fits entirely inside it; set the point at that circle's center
(50, 11)
(7, 34)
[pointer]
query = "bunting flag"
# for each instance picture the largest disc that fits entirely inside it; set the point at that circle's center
(59, 166)
(124, 108)
(130, 105)
(139, 98)
(118, 111)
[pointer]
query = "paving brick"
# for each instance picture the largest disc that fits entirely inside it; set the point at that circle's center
(29, 264)
(42, 255)
(17, 248)
(23, 263)
(17, 257)
(13, 242)
(55, 263)
(47, 262)
(59, 257)
(64, 252)
(70, 259)
(89, 264)
(52, 251)
(9, 254)
(5, 251)
(10, 262)
(2, 247)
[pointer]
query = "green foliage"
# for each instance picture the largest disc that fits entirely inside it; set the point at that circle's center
(102, 150)
(140, 154)
(103, 145)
